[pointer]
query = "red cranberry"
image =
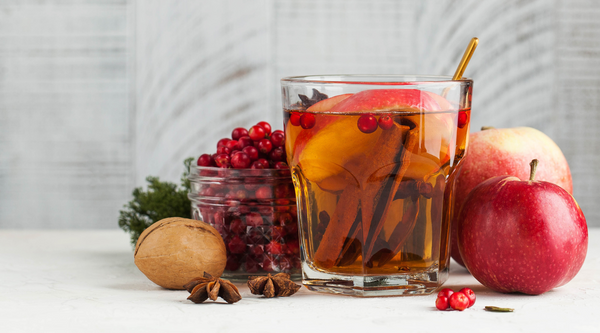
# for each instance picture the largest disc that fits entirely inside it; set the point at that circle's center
(277, 233)
(261, 163)
(251, 151)
(459, 301)
(257, 133)
(385, 122)
(218, 217)
(295, 118)
(296, 262)
(367, 123)
(244, 208)
(221, 229)
(278, 138)
(307, 121)
(274, 247)
(285, 219)
(264, 192)
(256, 237)
(240, 161)
(237, 227)
(270, 264)
(256, 250)
(281, 165)
(446, 292)
(441, 303)
(462, 119)
(236, 245)
(239, 132)
(232, 145)
(277, 154)
(292, 228)
(223, 142)
(265, 146)
(244, 142)
(251, 265)
(223, 150)
(292, 247)
(206, 160)
(207, 192)
(254, 219)
(222, 160)
(266, 126)
(233, 262)
(470, 295)
(251, 186)
(282, 205)
(284, 191)
(285, 264)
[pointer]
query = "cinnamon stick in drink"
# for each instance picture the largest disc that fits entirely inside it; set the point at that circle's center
(384, 198)
(354, 199)
(338, 228)
(380, 170)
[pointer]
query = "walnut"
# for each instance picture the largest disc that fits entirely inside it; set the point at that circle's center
(173, 251)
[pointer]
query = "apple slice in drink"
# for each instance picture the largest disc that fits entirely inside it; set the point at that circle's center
(436, 127)
(300, 137)
(328, 152)
(327, 149)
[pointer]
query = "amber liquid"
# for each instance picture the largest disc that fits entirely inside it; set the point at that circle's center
(374, 203)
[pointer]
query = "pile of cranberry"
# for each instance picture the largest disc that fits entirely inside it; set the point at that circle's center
(256, 148)
(256, 216)
(447, 298)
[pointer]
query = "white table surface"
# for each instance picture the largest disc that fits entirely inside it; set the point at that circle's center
(86, 281)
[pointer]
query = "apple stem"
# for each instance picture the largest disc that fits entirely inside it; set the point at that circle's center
(533, 164)
(483, 128)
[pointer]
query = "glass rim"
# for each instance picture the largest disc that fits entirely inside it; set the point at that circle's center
(363, 79)
(221, 173)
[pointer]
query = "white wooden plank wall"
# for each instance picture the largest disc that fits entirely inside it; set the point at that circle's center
(204, 67)
(201, 71)
(576, 83)
(64, 121)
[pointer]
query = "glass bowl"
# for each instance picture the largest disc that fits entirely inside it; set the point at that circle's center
(255, 212)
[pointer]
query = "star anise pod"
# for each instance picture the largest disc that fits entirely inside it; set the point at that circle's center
(202, 288)
(316, 97)
(272, 285)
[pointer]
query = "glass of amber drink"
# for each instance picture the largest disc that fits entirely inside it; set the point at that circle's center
(372, 159)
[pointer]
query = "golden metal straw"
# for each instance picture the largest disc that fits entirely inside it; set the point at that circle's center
(465, 59)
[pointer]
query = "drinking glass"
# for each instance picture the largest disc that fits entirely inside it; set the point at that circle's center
(372, 158)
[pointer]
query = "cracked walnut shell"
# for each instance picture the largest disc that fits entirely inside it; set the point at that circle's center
(173, 251)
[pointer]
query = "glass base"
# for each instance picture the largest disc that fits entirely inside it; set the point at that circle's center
(406, 284)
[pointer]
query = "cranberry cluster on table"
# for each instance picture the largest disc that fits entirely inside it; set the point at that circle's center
(460, 300)
(256, 148)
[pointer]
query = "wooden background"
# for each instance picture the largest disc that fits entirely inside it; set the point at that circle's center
(96, 95)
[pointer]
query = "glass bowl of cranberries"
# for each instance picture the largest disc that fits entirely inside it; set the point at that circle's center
(245, 191)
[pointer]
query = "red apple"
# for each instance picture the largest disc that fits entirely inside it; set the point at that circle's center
(522, 236)
(503, 152)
